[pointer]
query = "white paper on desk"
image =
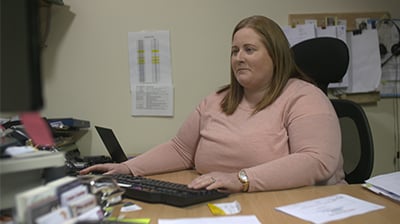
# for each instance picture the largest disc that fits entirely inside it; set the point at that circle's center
(329, 208)
(387, 184)
(248, 219)
(365, 63)
(382, 191)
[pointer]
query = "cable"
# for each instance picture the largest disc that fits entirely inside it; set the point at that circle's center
(395, 48)
(396, 122)
(396, 99)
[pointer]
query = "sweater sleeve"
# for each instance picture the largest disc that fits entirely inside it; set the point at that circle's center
(314, 147)
(175, 154)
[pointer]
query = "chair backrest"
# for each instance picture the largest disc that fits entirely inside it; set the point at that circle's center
(360, 138)
(326, 60)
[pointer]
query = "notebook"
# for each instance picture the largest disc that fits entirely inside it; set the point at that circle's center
(112, 145)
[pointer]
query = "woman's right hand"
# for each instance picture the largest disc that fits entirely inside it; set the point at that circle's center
(107, 168)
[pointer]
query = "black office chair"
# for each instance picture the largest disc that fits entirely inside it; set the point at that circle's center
(326, 60)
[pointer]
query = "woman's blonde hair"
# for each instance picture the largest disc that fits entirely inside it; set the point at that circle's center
(285, 67)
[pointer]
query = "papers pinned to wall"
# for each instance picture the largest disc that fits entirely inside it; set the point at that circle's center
(364, 72)
(150, 73)
(299, 33)
(365, 62)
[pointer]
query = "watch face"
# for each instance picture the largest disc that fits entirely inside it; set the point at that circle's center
(243, 176)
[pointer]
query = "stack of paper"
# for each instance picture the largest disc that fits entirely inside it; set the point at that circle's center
(386, 184)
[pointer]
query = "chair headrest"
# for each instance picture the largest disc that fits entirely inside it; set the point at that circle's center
(325, 59)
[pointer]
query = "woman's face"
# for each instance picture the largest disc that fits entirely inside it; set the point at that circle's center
(250, 60)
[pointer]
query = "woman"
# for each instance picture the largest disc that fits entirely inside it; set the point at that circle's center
(269, 129)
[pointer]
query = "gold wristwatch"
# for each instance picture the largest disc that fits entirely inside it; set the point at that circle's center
(244, 179)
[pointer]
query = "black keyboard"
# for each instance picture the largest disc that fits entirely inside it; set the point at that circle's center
(157, 191)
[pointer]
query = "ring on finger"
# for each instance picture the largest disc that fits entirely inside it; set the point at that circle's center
(213, 180)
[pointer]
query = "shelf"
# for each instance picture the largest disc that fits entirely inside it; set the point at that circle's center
(21, 174)
(40, 161)
(361, 98)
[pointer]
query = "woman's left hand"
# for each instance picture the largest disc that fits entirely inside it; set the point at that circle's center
(226, 182)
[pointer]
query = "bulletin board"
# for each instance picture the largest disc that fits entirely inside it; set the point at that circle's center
(352, 20)
(350, 17)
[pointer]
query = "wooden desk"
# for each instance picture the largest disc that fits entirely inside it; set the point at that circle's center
(262, 204)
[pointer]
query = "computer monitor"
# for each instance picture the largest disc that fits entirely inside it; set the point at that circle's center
(20, 75)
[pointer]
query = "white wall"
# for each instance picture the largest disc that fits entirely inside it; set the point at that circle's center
(86, 66)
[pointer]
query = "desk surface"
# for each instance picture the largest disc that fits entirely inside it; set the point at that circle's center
(262, 204)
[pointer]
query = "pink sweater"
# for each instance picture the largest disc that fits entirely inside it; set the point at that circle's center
(294, 142)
